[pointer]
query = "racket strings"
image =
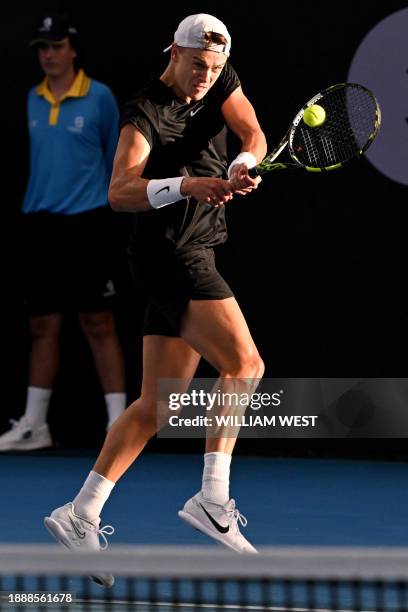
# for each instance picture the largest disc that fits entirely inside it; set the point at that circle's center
(352, 119)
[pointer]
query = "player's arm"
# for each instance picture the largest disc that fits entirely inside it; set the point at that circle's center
(127, 189)
(240, 116)
(130, 192)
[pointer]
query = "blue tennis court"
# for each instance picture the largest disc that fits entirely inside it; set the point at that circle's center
(287, 501)
(299, 503)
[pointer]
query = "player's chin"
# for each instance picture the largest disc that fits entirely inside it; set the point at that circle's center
(198, 92)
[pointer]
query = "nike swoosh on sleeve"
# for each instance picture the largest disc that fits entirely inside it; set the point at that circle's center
(167, 188)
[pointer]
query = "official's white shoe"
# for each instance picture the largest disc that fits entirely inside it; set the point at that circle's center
(79, 534)
(218, 522)
(23, 436)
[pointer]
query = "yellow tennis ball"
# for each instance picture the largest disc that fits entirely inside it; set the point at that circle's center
(314, 115)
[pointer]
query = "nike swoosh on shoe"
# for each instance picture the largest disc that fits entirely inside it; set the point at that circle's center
(218, 527)
(80, 534)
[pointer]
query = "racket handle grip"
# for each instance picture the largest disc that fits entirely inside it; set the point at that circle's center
(253, 172)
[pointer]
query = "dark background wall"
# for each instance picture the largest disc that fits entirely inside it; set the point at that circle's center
(318, 263)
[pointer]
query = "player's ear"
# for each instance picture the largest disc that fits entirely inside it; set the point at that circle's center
(174, 53)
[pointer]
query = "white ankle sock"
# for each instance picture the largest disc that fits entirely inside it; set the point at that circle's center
(37, 403)
(115, 405)
(216, 477)
(91, 498)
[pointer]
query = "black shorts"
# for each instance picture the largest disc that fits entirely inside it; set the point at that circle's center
(66, 262)
(170, 281)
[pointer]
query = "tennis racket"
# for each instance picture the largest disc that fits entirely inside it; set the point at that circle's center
(353, 118)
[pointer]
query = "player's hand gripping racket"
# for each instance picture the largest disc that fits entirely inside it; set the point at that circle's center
(347, 120)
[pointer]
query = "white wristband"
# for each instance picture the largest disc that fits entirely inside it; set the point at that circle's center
(243, 158)
(162, 192)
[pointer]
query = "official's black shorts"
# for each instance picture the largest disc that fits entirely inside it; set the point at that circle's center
(66, 262)
(170, 281)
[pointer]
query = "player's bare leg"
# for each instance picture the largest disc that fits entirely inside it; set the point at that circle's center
(218, 331)
(163, 357)
(77, 524)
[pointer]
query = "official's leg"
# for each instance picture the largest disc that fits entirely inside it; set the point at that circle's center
(31, 431)
(100, 331)
(44, 355)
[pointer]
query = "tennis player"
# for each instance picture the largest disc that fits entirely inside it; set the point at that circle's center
(171, 170)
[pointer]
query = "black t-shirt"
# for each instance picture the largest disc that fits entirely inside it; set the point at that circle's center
(185, 140)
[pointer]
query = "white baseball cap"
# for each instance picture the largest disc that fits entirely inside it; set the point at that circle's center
(191, 31)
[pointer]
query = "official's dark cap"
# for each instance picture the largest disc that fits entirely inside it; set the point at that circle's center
(54, 28)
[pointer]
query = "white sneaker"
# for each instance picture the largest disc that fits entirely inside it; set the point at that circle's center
(79, 534)
(218, 522)
(23, 436)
